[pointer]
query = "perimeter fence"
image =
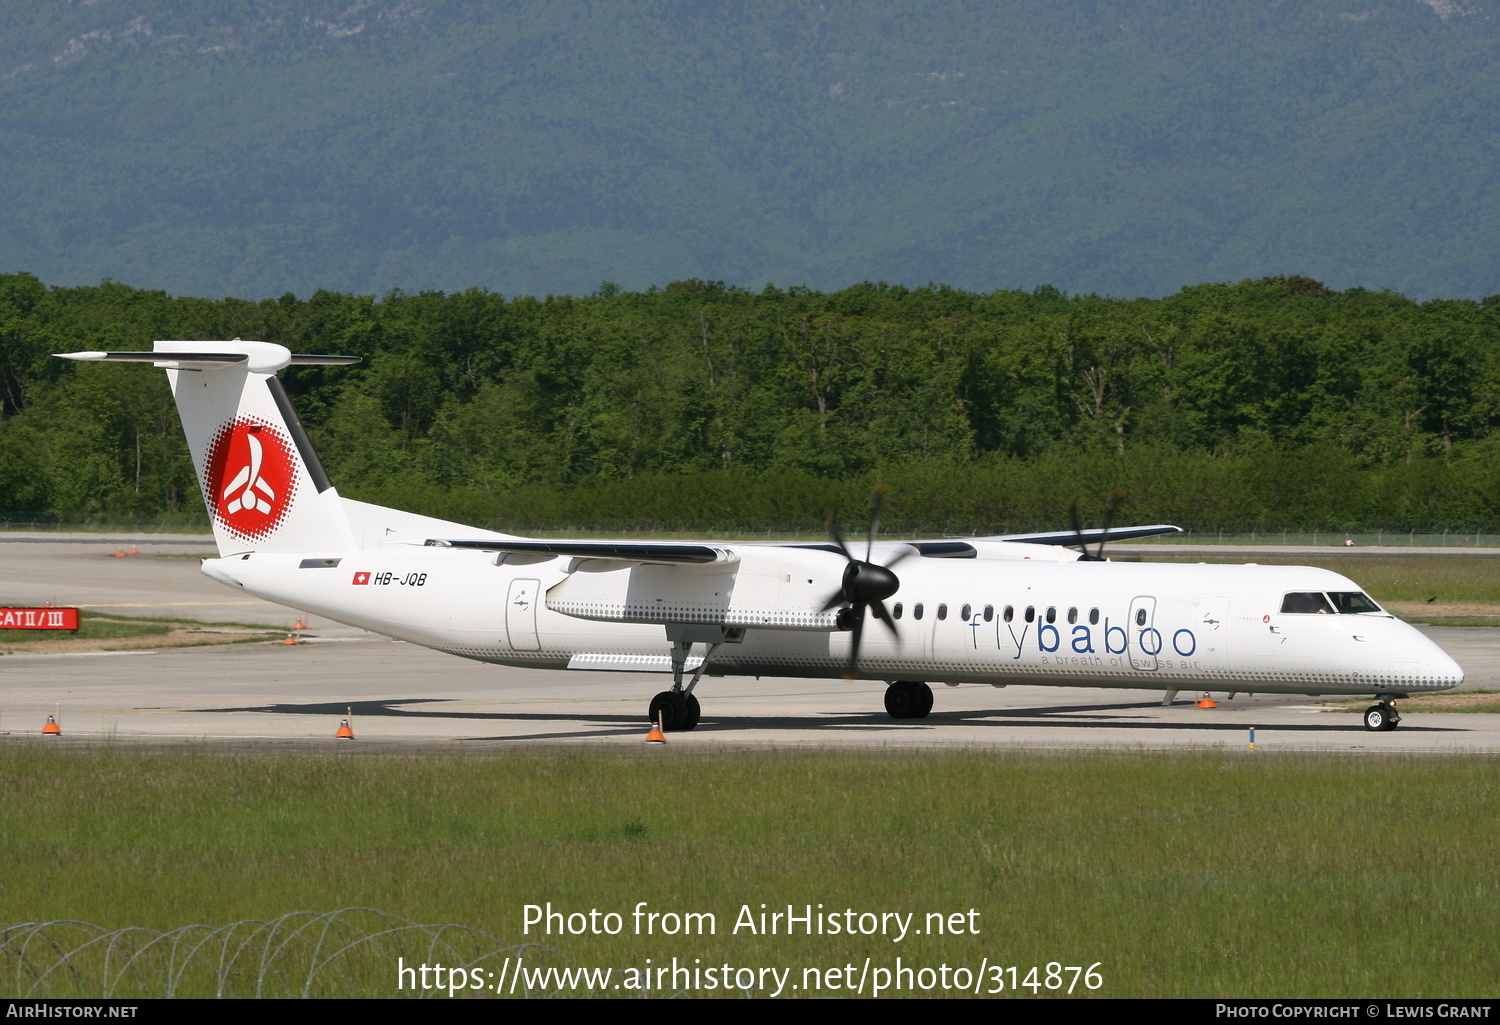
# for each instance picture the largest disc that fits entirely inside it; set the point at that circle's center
(352, 952)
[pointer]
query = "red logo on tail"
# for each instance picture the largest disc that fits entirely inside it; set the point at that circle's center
(250, 478)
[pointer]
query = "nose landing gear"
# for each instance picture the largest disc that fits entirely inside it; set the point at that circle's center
(1382, 716)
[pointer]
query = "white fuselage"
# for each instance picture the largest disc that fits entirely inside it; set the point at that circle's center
(998, 622)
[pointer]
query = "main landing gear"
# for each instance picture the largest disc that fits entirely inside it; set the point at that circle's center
(908, 699)
(674, 710)
(677, 709)
(1382, 716)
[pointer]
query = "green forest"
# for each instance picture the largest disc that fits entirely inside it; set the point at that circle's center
(1269, 403)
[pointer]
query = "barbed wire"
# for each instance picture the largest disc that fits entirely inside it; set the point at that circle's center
(351, 952)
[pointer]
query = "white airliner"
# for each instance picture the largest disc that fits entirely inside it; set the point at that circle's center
(1020, 609)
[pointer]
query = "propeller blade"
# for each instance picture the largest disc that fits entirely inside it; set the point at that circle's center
(1115, 498)
(876, 497)
(878, 608)
(1077, 525)
(838, 539)
(902, 554)
(866, 584)
(859, 629)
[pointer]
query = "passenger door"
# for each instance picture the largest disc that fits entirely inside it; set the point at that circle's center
(520, 614)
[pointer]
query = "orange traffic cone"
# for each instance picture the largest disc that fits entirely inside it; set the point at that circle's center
(52, 727)
(119, 554)
(134, 550)
(290, 639)
(299, 625)
(656, 736)
(343, 732)
(1206, 702)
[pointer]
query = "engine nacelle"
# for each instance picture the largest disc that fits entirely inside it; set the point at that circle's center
(784, 588)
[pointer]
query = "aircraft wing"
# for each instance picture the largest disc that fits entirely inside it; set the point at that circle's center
(964, 548)
(678, 552)
(1092, 536)
(622, 551)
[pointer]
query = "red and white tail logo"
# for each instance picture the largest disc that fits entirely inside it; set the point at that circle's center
(248, 481)
(251, 478)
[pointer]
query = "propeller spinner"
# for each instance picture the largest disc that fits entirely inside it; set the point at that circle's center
(866, 585)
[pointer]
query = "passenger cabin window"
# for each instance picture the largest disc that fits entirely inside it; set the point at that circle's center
(1305, 603)
(1093, 617)
(1140, 617)
(1030, 613)
(896, 611)
(916, 611)
(1072, 615)
(968, 611)
(943, 611)
(989, 613)
(1051, 614)
(1009, 614)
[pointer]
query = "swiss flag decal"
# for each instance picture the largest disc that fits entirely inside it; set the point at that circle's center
(361, 578)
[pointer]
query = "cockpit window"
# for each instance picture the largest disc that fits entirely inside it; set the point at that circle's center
(1353, 602)
(1300, 603)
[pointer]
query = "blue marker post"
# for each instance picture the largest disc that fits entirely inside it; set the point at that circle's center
(1252, 738)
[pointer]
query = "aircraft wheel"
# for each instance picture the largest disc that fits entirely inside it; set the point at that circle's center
(924, 695)
(903, 699)
(693, 711)
(1379, 718)
(670, 712)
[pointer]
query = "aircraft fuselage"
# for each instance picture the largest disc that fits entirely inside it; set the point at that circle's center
(1095, 624)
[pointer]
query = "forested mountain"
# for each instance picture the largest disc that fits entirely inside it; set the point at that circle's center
(1274, 402)
(256, 147)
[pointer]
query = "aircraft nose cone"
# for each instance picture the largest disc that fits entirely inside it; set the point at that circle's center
(1439, 667)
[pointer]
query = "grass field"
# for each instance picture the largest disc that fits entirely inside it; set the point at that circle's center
(1399, 578)
(98, 631)
(1487, 701)
(1203, 874)
(93, 626)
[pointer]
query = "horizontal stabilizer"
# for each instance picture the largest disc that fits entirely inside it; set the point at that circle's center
(157, 357)
(297, 359)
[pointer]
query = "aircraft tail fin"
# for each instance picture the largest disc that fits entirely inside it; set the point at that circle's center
(264, 486)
